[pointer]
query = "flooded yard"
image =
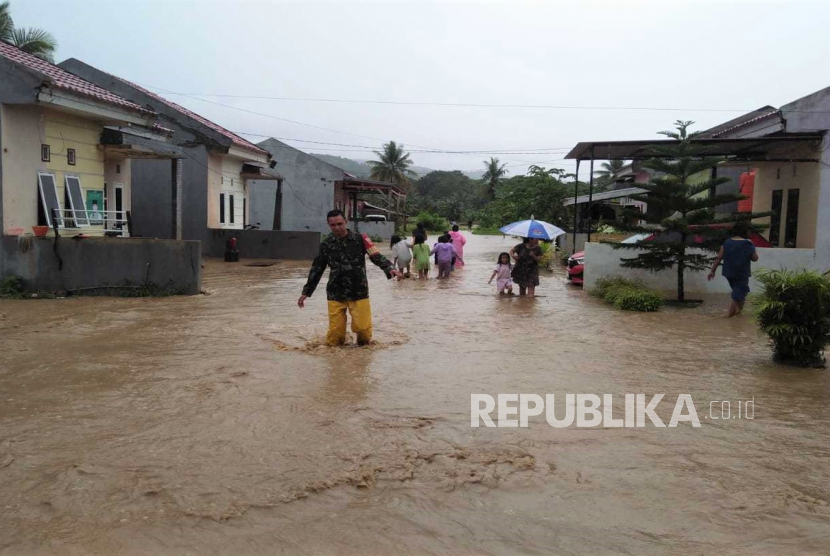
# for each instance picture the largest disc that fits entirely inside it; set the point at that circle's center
(219, 424)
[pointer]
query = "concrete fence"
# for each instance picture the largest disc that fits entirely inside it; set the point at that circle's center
(566, 242)
(88, 264)
(264, 244)
(382, 229)
(602, 260)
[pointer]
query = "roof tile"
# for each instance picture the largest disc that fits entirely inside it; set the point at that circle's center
(62, 79)
(236, 139)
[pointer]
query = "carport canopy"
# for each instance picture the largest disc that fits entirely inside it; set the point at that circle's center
(748, 149)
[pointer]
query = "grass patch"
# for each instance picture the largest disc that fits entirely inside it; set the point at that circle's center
(627, 295)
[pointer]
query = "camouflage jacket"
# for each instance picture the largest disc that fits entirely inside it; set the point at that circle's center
(346, 259)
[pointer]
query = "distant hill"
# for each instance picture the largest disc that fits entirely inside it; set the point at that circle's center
(473, 174)
(360, 169)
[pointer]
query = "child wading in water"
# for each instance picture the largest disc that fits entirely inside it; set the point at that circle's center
(502, 275)
(444, 253)
(401, 255)
(420, 252)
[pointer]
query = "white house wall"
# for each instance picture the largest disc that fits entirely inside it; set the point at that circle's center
(812, 114)
(602, 260)
(224, 178)
(804, 176)
(21, 142)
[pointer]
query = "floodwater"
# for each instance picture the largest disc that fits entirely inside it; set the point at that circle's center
(218, 424)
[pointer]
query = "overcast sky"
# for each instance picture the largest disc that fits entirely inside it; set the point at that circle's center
(664, 54)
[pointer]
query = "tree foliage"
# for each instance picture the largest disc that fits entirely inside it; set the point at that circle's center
(680, 208)
(492, 177)
(392, 165)
(540, 193)
(453, 195)
(605, 175)
(37, 42)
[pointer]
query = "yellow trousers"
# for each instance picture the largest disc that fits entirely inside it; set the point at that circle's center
(361, 313)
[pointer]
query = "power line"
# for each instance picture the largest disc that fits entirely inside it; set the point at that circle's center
(544, 150)
(427, 149)
(475, 104)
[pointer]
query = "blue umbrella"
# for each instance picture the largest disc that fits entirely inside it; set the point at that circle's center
(533, 229)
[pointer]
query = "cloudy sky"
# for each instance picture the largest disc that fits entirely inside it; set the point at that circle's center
(705, 60)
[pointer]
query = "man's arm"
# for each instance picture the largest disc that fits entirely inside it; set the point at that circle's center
(318, 267)
(384, 264)
(715, 264)
(754, 256)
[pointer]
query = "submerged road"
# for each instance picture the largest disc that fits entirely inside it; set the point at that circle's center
(219, 424)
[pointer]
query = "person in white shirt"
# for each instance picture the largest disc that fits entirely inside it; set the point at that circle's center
(401, 254)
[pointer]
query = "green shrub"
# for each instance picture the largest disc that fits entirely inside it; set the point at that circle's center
(376, 239)
(627, 295)
(793, 309)
(548, 254)
(432, 222)
(11, 288)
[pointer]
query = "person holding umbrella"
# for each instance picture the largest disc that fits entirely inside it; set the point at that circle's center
(528, 253)
(526, 272)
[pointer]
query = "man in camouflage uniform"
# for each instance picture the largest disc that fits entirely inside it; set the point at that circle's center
(344, 252)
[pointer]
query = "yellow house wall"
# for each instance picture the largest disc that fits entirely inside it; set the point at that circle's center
(24, 129)
(64, 132)
(21, 128)
(803, 176)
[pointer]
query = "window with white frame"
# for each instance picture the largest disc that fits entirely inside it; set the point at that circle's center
(75, 196)
(49, 199)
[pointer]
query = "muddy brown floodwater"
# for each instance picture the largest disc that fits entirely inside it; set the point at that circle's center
(218, 424)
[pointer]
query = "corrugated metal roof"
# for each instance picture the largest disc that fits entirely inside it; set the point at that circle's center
(606, 195)
(235, 139)
(61, 79)
(746, 122)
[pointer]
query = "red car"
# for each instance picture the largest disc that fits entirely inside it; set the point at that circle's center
(576, 266)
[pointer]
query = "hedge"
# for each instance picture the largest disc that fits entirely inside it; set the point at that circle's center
(627, 295)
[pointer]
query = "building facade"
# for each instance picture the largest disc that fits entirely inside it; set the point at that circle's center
(216, 171)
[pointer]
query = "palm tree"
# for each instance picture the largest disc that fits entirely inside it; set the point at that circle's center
(609, 169)
(392, 165)
(6, 23)
(493, 175)
(37, 42)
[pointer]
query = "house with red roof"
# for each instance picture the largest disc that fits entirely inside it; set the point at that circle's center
(216, 171)
(67, 147)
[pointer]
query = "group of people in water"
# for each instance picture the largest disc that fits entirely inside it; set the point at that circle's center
(520, 266)
(448, 252)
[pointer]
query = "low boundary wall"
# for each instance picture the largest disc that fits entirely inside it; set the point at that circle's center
(602, 260)
(264, 244)
(91, 263)
(382, 229)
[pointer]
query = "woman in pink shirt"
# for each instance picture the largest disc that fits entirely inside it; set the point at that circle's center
(458, 241)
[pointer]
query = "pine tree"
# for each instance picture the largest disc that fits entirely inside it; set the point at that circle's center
(679, 208)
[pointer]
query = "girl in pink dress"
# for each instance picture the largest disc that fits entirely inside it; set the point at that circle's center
(504, 283)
